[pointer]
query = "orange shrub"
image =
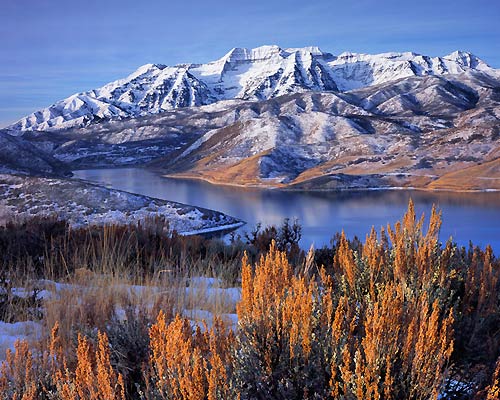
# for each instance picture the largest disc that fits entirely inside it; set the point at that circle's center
(189, 364)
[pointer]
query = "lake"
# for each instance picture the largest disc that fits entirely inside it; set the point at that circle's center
(466, 216)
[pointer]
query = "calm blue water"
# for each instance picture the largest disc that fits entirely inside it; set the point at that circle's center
(466, 216)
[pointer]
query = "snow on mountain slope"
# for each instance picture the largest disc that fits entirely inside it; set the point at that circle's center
(149, 90)
(412, 130)
(265, 72)
(251, 74)
(354, 71)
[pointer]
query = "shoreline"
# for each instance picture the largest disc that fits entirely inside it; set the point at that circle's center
(281, 186)
(286, 189)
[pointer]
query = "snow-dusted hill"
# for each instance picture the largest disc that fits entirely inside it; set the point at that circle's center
(250, 74)
(82, 203)
(20, 156)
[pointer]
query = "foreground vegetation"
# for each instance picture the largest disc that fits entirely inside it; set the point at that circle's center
(397, 316)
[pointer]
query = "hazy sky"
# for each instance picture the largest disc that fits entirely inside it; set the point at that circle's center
(50, 49)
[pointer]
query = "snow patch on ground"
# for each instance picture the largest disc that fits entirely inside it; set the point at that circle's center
(12, 332)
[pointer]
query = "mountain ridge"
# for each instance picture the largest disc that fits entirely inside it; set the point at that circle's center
(249, 74)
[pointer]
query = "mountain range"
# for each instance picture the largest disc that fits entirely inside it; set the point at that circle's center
(290, 118)
(249, 74)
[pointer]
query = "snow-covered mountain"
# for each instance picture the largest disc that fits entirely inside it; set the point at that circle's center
(250, 74)
(418, 131)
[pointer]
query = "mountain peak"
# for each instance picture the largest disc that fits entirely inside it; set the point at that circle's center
(265, 52)
(467, 60)
(257, 53)
(236, 54)
(148, 67)
(463, 57)
(458, 54)
(314, 50)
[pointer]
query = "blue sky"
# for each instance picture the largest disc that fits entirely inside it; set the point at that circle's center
(50, 49)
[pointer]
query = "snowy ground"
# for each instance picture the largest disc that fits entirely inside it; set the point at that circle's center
(10, 332)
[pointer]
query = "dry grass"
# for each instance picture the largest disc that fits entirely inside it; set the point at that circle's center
(478, 177)
(89, 301)
(243, 173)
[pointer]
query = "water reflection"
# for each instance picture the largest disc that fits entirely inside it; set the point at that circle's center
(466, 216)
